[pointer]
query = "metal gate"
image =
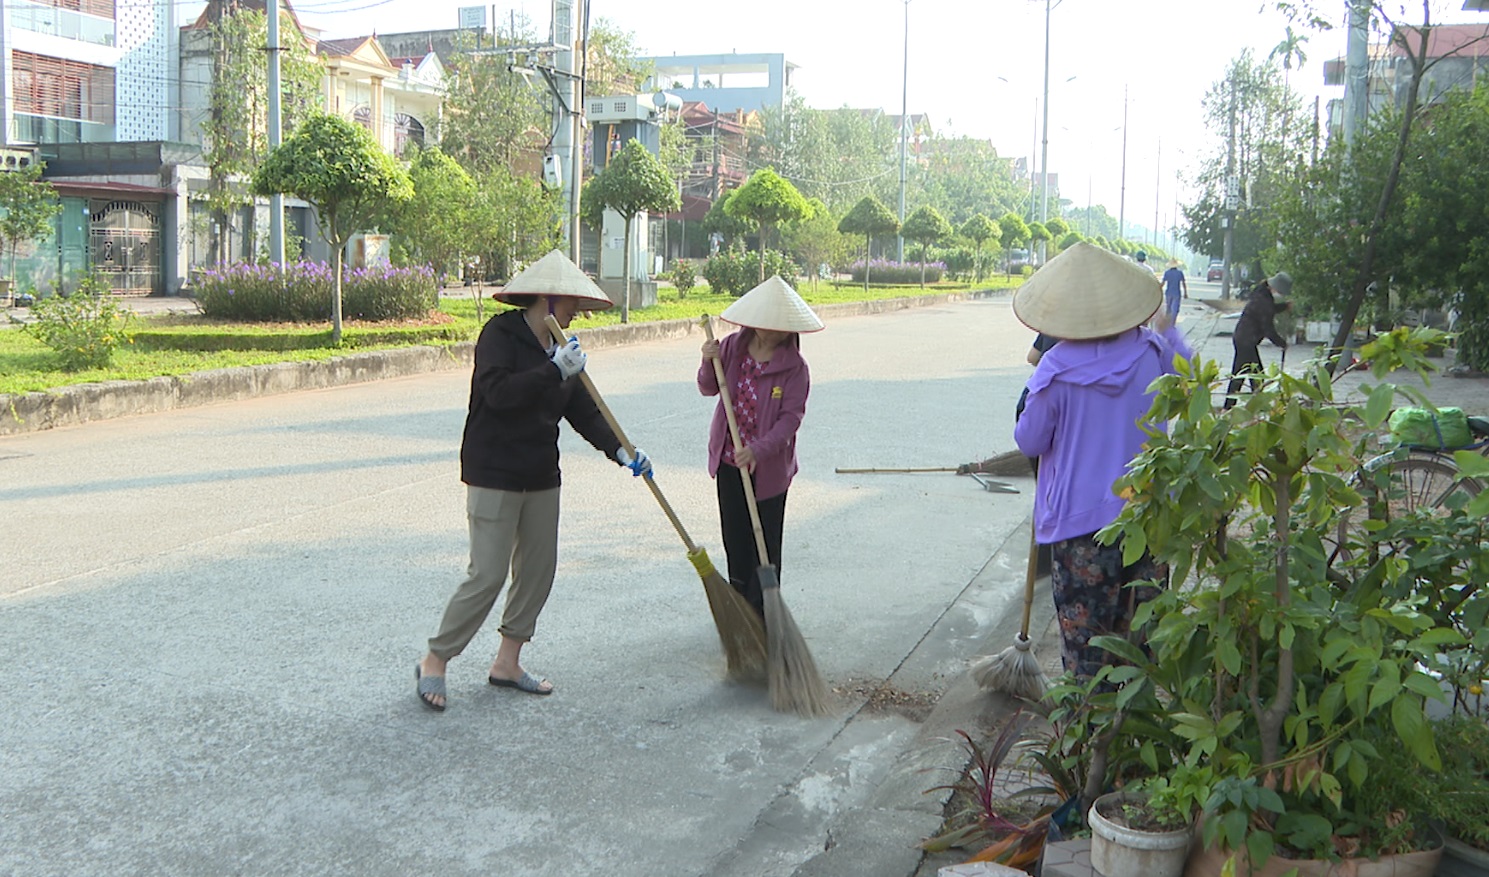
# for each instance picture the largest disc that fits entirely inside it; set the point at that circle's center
(124, 245)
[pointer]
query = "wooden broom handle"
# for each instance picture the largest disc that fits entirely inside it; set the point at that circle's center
(749, 487)
(1029, 575)
(558, 335)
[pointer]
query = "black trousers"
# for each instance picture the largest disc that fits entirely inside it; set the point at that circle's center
(739, 533)
(1248, 361)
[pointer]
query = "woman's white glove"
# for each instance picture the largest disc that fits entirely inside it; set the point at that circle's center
(569, 359)
(640, 464)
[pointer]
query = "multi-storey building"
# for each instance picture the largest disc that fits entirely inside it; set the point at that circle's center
(78, 77)
(112, 94)
(1457, 55)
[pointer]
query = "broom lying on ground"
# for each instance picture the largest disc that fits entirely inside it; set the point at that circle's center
(740, 631)
(1016, 670)
(795, 684)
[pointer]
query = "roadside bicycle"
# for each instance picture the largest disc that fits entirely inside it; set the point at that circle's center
(1417, 479)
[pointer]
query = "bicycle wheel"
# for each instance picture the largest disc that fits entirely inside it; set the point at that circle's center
(1417, 482)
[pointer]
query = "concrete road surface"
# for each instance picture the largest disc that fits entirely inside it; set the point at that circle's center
(210, 619)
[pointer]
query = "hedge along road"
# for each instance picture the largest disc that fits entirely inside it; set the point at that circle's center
(213, 614)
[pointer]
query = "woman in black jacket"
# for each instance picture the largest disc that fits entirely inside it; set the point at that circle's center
(1258, 321)
(522, 386)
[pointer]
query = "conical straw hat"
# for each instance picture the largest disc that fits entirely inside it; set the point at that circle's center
(555, 275)
(1087, 292)
(773, 305)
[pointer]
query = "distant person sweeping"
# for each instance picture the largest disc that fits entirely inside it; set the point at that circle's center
(521, 387)
(768, 383)
(1087, 399)
(1258, 320)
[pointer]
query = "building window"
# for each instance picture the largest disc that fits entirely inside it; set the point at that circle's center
(406, 130)
(362, 115)
(101, 8)
(46, 86)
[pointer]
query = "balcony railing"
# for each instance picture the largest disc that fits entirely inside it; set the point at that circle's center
(64, 23)
(29, 128)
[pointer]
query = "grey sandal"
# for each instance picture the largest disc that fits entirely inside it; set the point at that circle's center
(430, 686)
(528, 683)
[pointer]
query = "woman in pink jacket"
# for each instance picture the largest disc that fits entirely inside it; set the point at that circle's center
(768, 385)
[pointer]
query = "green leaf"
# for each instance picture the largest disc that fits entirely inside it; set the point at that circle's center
(1378, 406)
(1259, 846)
(1411, 726)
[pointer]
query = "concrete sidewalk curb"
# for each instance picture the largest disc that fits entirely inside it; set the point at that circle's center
(881, 838)
(84, 403)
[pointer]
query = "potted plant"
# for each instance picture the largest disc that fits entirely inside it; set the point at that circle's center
(1457, 798)
(1147, 832)
(1287, 667)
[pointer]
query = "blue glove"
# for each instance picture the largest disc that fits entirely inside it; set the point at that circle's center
(639, 464)
(569, 359)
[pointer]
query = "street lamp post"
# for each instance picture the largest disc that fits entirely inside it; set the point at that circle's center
(1044, 147)
(904, 124)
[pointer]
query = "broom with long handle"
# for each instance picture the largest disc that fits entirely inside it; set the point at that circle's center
(1015, 670)
(740, 631)
(795, 685)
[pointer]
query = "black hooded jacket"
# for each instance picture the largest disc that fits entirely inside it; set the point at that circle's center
(1258, 319)
(516, 401)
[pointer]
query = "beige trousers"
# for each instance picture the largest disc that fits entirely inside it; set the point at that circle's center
(508, 530)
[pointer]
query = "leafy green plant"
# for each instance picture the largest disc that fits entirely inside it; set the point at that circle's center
(84, 328)
(733, 272)
(1288, 666)
(683, 277)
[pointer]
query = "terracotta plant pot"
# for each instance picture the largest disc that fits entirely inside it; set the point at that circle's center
(1207, 863)
(1120, 851)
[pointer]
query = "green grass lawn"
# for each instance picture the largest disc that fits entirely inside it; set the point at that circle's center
(180, 344)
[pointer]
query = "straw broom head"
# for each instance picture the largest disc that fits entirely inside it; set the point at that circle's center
(740, 630)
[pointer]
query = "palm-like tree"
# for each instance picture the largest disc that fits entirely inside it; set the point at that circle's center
(1290, 50)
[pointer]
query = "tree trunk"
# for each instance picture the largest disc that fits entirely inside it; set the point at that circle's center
(868, 255)
(336, 300)
(625, 261)
(1377, 222)
(762, 254)
(922, 266)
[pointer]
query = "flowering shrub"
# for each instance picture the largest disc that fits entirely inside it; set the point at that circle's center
(303, 292)
(885, 271)
(83, 328)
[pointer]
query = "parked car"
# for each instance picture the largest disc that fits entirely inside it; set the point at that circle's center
(1215, 271)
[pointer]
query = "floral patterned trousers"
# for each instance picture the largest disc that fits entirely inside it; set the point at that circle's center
(1092, 598)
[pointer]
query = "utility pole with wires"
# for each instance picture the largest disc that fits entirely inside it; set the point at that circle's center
(904, 124)
(1122, 198)
(1044, 147)
(276, 201)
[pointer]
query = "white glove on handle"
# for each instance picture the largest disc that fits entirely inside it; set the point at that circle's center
(569, 359)
(639, 464)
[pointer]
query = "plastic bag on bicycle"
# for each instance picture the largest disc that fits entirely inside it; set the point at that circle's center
(1425, 428)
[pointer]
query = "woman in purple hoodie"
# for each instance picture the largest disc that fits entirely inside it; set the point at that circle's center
(768, 386)
(1083, 419)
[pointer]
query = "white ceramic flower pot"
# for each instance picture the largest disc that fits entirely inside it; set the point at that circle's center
(1119, 851)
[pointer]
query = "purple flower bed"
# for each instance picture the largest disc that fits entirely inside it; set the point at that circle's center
(891, 272)
(304, 292)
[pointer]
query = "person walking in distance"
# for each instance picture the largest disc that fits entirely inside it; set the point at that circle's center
(1084, 420)
(522, 385)
(1258, 320)
(1175, 288)
(768, 383)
